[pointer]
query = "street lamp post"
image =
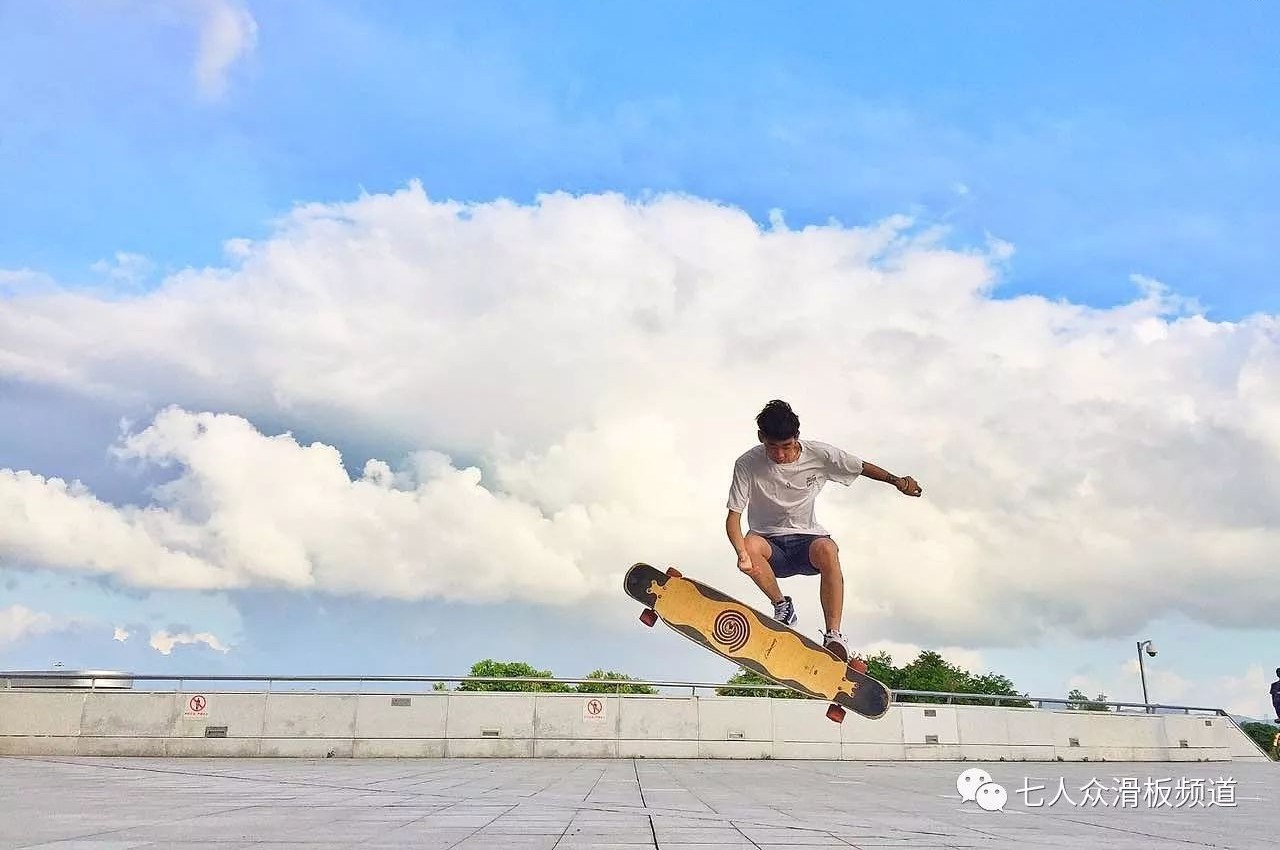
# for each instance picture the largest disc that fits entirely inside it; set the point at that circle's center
(1142, 670)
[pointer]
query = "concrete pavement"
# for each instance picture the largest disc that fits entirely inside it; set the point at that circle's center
(677, 804)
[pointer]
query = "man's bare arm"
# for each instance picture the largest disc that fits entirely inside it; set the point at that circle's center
(905, 484)
(733, 527)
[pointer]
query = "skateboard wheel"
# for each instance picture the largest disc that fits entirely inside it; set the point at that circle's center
(673, 572)
(649, 617)
(835, 712)
(859, 665)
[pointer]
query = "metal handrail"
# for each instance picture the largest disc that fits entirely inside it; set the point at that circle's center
(947, 697)
(950, 696)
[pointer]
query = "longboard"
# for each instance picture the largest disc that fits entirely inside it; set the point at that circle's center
(755, 641)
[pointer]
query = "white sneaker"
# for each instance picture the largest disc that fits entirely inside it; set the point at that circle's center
(784, 611)
(836, 643)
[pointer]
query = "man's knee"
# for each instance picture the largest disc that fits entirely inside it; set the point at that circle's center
(824, 554)
(758, 547)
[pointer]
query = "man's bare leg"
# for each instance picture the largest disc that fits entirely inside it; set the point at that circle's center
(825, 555)
(761, 573)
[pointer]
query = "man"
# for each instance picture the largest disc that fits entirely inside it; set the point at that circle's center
(1275, 695)
(779, 480)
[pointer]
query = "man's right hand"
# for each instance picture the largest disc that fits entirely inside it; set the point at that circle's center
(744, 562)
(907, 486)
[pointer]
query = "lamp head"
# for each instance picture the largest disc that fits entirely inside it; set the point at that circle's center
(1151, 649)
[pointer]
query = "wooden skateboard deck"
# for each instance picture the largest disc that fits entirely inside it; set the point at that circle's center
(755, 641)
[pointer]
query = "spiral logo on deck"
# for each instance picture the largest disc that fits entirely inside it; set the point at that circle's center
(731, 629)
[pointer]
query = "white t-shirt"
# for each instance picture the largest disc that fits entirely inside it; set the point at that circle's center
(781, 496)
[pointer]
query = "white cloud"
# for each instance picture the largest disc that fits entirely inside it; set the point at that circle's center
(120, 634)
(250, 510)
(1247, 694)
(125, 268)
(575, 378)
(228, 33)
(25, 282)
(18, 622)
(1244, 694)
(164, 642)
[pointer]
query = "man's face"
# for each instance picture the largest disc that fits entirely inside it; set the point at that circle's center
(786, 451)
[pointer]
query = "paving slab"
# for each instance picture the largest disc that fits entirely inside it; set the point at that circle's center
(583, 804)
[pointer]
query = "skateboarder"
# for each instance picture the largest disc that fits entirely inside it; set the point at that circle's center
(1275, 695)
(779, 480)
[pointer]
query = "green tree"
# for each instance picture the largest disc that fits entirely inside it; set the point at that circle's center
(1078, 701)
(931, 672)
(511, 669)
(750, 677)
(880, 667)
(601, 688)
(994, 683)
(1265, 736)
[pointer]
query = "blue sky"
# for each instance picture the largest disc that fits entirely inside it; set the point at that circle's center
(1102, 141)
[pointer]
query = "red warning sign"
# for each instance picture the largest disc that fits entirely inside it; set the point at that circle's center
(593, 709)
(196, 706)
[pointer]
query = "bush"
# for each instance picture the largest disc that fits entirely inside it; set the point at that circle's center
(593, 688)
(931, 672)
(1265, 736)
(489, 667)
(749, 677)
(1079, 702)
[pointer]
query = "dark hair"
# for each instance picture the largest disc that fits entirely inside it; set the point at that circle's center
(778, 422)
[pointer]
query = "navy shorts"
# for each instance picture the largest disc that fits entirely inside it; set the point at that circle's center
(791, 554)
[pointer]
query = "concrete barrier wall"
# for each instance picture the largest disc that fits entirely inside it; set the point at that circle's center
(475, 725)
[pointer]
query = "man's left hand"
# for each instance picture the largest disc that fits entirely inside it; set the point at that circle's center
(908, 486)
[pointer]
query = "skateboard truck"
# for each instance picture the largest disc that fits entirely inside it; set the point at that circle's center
(649, 616)
(835, 711)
